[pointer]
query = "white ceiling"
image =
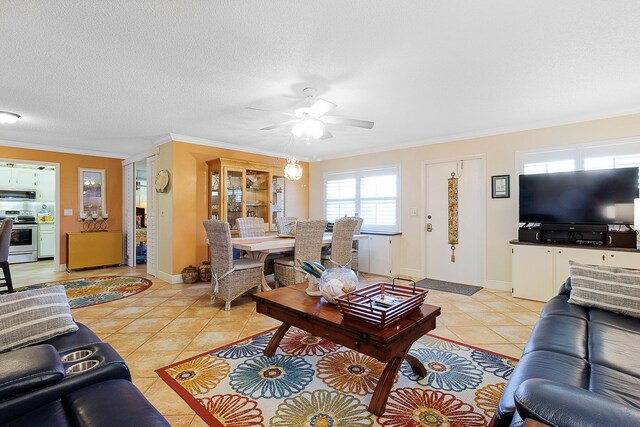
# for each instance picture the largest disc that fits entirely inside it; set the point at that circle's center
(114, 76)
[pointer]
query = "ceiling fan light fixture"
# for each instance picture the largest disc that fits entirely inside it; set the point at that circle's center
(8, 118)
(298, 129)
(292, 170)
(311, 128)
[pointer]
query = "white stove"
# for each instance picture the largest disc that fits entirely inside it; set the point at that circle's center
(24, 236)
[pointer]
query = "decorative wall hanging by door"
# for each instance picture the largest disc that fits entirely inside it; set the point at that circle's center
(452, 186)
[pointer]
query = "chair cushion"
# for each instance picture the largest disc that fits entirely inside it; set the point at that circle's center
(609, 288)
(615, 385)
(559, 305)
(32, 316)
(560, 334)
(615, 348)
(619, 321)
(28, 369)
(244, 263)
(287, 260)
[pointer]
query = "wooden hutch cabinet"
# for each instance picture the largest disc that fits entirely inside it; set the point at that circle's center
(238, 189)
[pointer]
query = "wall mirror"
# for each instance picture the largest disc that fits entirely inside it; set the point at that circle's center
(92, 193)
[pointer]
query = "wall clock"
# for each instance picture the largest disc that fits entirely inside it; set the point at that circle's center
(162, 180)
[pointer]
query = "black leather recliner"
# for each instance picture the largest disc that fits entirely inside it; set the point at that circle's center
(580, 367)
(71, 380)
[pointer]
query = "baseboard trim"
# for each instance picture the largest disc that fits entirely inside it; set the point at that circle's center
(411, 272)
(62, 267)
(498, 285)
(173, 279)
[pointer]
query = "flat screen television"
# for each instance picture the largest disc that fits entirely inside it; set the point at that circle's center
(581, 197)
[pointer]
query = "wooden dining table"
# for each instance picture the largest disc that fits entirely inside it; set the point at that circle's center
(260, 247)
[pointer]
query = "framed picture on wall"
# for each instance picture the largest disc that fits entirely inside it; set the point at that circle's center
(92, 191)
(500, 187)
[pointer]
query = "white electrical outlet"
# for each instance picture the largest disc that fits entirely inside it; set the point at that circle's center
(413, 211)
(68, 212)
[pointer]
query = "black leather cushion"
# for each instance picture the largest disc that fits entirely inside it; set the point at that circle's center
(75, 339)
(615, 385)
(565, 289)
(112, 403)
(561, 334)
(50, 415)
(560, 306)
(617, 320)
(28, 369)
(615, 348)
(541, 364)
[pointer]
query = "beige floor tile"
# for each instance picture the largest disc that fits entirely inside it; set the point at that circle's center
(514, 334)
(167, 342)
(472, 307)
(455, 319)
(106, 325)
(165, 399)
(128, 343)
(494, 318)
(161, 293)
(198, 422)
(531, 305)
(477, 335)
(202, 312)
(211, 340)
(164, 311)
(143, 384)
(144, 363)
(144, 324)
(186, 325)
(131, 312)
(179, 302)
(95, 312)
(525, 317)
(180, 420)
(503, 306)
(444, 332)
(151, 302)
(226, 324)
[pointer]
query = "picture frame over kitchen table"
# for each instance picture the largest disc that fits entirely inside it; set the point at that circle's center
(92, 193)
(500, 187)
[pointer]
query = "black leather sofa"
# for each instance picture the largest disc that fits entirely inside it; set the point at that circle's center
(73, 379)
(580, 367)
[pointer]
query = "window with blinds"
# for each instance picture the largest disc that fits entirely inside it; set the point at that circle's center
(372, 195)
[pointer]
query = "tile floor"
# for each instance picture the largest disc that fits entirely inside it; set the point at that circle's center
(172, 322)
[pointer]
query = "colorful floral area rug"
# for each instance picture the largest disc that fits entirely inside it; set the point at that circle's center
(313, 382)
(97, 290)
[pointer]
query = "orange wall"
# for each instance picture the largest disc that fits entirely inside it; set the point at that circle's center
(68, 172)
(189, 189)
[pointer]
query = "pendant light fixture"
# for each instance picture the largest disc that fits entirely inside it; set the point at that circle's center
(292, 170)
(8, 118)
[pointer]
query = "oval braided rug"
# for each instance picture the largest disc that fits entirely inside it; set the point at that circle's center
(88, 291)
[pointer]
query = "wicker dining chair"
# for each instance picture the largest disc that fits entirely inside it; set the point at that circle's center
(250, 226)
(286, 224)
(308, 246)
(354, 259)
(5, 243)
(341, 255)
(230, 278)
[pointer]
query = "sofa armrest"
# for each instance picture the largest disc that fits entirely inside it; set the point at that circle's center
(560, 405)
(28, 369)
(565, 288)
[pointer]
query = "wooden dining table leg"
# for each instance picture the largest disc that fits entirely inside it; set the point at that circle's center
(275, 340)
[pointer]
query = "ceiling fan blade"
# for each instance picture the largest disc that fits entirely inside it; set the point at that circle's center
(270, 111)
(283, 124)
(321, 107)
(325, 132)
(348, 122)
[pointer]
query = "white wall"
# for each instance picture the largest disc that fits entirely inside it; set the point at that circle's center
(499, 152)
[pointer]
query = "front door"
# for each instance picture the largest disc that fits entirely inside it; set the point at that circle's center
(467, 267)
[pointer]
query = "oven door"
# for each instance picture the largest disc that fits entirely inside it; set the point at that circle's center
(24, 243)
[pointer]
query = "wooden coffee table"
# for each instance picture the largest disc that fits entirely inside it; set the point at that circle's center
(293, 307)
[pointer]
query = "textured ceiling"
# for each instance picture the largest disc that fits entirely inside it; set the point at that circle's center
(114, 76)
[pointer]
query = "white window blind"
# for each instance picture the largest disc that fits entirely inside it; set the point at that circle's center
(371, 194)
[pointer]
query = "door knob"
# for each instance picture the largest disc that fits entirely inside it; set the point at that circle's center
(429, 227)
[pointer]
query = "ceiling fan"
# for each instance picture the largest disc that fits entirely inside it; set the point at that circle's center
(311, 120)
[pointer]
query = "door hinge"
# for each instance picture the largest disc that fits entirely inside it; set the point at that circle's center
(511, 250)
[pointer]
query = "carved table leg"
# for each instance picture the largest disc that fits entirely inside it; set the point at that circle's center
(416, 365)
(275, 340)
(381, 393)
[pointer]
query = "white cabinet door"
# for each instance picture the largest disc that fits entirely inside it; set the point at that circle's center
(24, 178)
(47, 240)
(533, 272)
(46, 185)
(363, 255)
(380, 255)
(583, 256)
(623, 259)
(5, 177)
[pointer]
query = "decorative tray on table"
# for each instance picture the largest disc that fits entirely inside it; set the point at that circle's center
(381, 303)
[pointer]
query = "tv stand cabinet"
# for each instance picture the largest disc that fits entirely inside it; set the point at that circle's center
(538, 270)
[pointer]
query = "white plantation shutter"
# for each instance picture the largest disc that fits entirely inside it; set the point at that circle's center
(370, 194)
(151, 222)
(129, 218)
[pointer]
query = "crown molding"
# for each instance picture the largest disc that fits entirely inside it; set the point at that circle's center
(59, 149)
(141, 156)
(219, 144)
(482, 134)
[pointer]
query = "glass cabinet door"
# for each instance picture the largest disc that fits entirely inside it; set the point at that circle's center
(234, 180)
(215, 194)
(257, 196)
(277, 200)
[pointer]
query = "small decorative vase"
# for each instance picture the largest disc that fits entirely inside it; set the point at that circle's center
(337, 281)
(190, 274)
(205, 271)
